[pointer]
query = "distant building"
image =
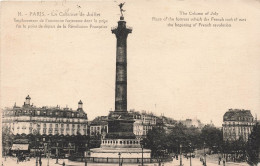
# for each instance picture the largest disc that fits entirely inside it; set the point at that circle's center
(143, 123)
(29, 119)
(237, 124)
(192, 123)
(166, 123)
(99, 126)
(46, 125)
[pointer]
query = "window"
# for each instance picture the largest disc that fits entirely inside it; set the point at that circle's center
(50, 131)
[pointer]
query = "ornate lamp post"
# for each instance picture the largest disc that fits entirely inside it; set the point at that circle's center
(180, 154)
(142, 146)
(86, 161)
(205, 155)
(49, 145)
(190, 154)
(57, 153)
(119, 154)
(35, 147)
(142, 154)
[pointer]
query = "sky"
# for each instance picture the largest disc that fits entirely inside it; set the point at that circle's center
(179, 72)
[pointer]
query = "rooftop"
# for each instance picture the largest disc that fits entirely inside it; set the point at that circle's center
(238, 115)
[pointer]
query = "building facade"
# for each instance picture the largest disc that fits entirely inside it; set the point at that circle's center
(41, 126)
(237, 124)
(29, 119)
(143, 123)
(192, 123)
(99, 126)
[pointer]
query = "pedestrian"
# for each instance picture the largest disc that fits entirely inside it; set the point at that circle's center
(63, 164)
(224, 162)
(219, 160)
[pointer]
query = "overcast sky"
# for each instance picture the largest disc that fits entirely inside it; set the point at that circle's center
(179, 72)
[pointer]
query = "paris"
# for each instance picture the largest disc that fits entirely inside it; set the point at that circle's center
(98, 119)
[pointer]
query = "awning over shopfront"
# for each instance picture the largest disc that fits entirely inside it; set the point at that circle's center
(20, 147)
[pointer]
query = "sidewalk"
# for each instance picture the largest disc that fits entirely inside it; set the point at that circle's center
(11, 161)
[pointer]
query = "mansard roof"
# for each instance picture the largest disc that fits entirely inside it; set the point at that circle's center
(45, 112)
(238, 115)
(100, 120)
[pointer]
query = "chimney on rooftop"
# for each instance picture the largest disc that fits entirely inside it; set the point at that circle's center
(27, 100)
(80, 105)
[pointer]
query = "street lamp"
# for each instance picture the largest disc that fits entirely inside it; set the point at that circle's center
(190, 154)
(48, 149)
(57, 153)
(119, 154)
(142, 146)
(35, 147)
(205, 164)
(86, 162)
(142, 155)
(180, 155)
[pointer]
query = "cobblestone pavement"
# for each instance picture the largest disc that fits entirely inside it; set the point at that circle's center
(11, 161)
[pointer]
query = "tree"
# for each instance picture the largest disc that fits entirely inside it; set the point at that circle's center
(213, 137)
(7, 139)
(94, 141)
(253, 146)
(182, 135)
(156, 141)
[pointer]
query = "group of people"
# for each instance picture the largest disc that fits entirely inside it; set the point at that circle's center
(203, 161)
(21, 157)
(219, 161)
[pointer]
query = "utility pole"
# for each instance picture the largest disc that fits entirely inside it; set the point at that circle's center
(86, 162)
(119, 154)
(205, 155)
(142, 146)
(48, 149)
(180, 155)
(57, 153)
(190, 155)
(142, 155)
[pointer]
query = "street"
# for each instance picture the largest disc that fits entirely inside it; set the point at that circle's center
(10, 161)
